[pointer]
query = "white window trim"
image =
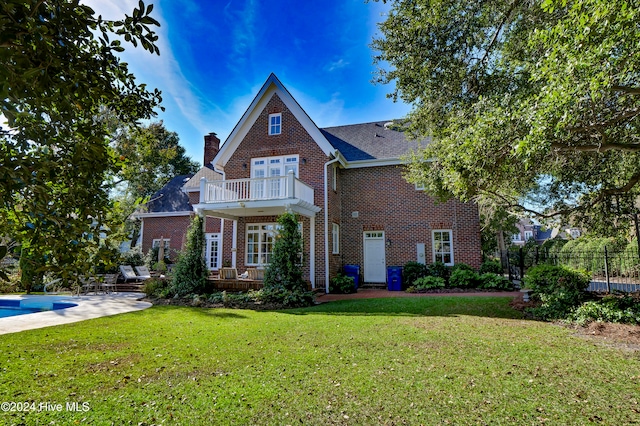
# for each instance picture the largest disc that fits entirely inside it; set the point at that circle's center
(528, 235)
(273, 126)
(246, 241)
(433, 244)
(156, 242)
(266, 164)
(335, 235)
(419, 186)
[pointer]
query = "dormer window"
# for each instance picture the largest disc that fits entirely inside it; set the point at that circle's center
(275, 124)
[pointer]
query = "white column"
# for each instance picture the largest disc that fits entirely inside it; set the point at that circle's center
(312, 251)
(234, 244)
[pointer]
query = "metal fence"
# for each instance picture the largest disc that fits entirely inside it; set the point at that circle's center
(609, 270)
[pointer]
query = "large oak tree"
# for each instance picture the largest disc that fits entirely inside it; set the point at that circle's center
(533, 105)
(58, 70)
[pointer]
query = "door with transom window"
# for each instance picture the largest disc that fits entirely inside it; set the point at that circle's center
(374, 257)
(212, 251)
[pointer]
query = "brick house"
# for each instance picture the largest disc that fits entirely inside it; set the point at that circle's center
(345, 183)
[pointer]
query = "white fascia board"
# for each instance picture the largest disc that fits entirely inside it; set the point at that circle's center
(378, 162)
(271, 86)
(162, 214)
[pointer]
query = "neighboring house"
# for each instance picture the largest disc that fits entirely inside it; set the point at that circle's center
(344, 182)
(528, 230)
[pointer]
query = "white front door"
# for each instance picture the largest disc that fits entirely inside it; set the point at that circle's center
(374, 257)
(212, 251)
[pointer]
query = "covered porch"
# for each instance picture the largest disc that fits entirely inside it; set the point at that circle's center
(255, 203)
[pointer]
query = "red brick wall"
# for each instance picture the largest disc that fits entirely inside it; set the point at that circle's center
(385, 201)
(294, 139)
(173, 228)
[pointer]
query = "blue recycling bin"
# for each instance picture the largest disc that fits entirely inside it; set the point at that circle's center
(354, 272)
(394, 278)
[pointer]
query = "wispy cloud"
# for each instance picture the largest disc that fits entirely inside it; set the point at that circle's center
(243, 24)
(336, 65)
(164, 71)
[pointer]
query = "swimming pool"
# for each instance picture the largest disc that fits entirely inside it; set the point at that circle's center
(13, 307)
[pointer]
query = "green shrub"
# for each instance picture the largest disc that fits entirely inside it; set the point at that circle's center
(412, 271)
(438, 269)
(491, 281)
(428, 283)
(157, 287)
(601, 311)
(557, 305)
(459, 266)
(133, 257)
(283, 280)
(342, 284)
(491, 266)
(464, 278)
(190, 273)
(545, 279)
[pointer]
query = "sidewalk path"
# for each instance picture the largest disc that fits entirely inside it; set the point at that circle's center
(89, 307)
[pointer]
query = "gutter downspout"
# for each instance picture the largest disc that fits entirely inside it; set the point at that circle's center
(221, 240)
(326, 226)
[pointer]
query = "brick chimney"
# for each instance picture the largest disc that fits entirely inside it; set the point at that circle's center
(211, 147)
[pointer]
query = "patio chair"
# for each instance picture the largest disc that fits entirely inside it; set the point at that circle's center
(128, 273)
(228, 274)
(143, 273)
(255, 274)
(108, 284)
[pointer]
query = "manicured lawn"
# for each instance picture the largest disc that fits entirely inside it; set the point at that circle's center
(441, 360)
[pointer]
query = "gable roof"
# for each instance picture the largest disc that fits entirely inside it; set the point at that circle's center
(207, 172)
(169, 199)
(370, 141)
(269, 88)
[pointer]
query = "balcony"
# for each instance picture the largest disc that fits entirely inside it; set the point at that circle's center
(256, 197)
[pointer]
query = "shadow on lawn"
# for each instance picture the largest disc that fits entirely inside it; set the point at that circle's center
(491, 307)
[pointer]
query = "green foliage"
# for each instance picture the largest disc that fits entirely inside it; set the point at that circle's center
(491, 281)
(605, 312)
(464, 278)
(492, 266)
(560, 289)
(532, 105)
(158, 287)
(190, 272)
(546, 279)
(283, 281)
(412, 270)
(556, 305)
(438, 269)
(59, 70)
(461, 266)
(133, 257)
(342, 284)
(428, 283)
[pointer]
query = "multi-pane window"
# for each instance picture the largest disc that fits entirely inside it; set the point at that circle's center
(335, 235)
(166, 243)
(261, 238)
(516, 237)
(275, 124)
(528, 235)
(268, 174)
(442, 247)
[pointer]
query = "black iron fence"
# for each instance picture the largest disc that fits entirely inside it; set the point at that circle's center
(609, 271)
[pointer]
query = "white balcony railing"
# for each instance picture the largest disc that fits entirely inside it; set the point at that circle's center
(255, 189)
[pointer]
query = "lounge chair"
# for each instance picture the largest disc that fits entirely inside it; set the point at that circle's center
(143, 272)
(128, 273)
(255, 274)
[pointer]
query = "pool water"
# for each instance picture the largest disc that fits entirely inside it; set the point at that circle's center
(13, 307)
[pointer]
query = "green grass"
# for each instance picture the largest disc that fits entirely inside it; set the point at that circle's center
(432, 360)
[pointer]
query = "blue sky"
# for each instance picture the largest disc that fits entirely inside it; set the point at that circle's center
(215, 56)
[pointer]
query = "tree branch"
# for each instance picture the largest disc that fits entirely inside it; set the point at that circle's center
(626, 89)
(498, 30)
